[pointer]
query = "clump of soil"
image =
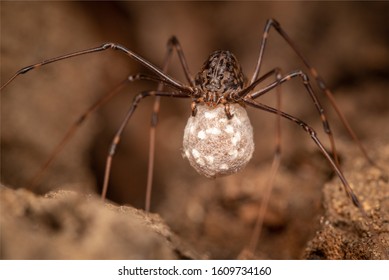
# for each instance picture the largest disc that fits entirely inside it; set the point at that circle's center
(70, 225)
(345, 233)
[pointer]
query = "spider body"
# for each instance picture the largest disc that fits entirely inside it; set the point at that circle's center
(218, 137)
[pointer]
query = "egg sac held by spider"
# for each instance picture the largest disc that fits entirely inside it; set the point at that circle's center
(215, 145)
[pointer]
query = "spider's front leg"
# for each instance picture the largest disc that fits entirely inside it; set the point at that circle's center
(319, 80)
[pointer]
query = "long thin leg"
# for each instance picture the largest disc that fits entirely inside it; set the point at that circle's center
(350, 193)
(320, 82)
(173, 44)
(150, 168)
(315, 100)
(127, 117)
(162, 76)
(244, 92)
(270, 183)
(314, 137)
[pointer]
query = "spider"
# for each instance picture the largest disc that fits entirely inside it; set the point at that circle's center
(218, 138)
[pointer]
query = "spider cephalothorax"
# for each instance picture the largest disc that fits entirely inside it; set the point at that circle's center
(220, 78)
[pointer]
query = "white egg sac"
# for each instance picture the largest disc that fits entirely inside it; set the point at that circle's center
(215, 145)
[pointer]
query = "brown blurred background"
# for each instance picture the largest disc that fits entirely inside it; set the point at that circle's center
(347, 42)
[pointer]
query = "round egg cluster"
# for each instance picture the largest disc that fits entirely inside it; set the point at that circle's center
(215, 145)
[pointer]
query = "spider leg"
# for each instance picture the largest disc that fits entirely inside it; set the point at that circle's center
(276, 72)
(349, 191)
(318, 143)
(173, 44)
(117, 137)
(319, 107)
(273, 172)
(162, 76)
(277, 155)
(320, 82)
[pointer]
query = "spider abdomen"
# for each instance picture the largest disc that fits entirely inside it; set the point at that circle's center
(216, 145)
